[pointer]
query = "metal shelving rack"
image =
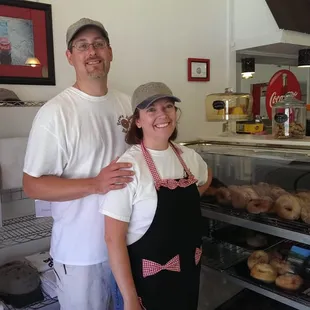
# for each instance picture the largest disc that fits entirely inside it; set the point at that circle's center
(291, 230)
(38, 305)
(26, 229)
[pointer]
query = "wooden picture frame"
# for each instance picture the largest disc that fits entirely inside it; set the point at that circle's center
(26, 30)
(198, 69)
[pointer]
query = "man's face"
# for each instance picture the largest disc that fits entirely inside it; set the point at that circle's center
(90, 61)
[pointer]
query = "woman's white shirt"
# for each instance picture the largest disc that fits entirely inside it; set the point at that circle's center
(137, 202)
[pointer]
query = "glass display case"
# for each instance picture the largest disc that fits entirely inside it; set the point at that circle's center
(259, 202)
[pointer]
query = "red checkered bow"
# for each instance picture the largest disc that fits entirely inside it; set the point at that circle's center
(150, 268)
(197, 255)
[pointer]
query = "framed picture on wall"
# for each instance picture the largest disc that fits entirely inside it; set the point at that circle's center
(198, 69)
(26, 43)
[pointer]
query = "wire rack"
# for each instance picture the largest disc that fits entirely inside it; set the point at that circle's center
(267, 219)
(20, 103)
(38, 305)
(24, 229)
(221, 255)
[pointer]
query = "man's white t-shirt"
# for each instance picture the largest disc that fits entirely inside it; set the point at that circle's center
(137, 202)
(75, 135)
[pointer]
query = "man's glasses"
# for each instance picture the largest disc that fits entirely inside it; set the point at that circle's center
(84, 46)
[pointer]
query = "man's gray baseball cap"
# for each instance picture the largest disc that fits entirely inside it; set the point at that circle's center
(148, 93)
(82, 24)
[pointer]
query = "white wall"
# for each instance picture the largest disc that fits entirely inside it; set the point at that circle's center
(251, 32)
(151, 40)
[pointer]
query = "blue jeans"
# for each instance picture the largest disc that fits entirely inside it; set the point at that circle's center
(118, 301)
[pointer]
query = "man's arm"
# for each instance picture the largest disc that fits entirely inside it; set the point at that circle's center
(54, 188)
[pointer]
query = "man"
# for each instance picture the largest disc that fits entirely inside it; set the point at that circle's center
(73, 145)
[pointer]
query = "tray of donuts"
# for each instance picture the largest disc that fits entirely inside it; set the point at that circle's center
(284, 268)
(263, 198)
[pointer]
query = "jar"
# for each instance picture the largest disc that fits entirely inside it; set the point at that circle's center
(289, 118)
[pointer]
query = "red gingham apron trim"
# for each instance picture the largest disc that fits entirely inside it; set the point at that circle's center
(150, 268)
(169, 183)
(198, 253)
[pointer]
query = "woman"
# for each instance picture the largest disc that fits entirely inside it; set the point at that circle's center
(152, 226)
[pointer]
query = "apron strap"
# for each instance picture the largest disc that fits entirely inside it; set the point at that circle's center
(170, 183)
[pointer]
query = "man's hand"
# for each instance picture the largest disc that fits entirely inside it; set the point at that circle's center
(114, 176)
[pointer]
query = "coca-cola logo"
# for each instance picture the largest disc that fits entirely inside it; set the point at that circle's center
(281, 83)
(277, 98)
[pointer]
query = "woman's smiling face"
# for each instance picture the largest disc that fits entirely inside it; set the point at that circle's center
(158, 121)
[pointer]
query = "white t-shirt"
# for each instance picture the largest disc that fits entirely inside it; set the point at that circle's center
(75, 135)
(137, 202)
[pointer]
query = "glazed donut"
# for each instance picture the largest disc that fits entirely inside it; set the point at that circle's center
(264, 272)
(260, 205)
(223, 196)
(287, 207)
(275, 255)
(257, 241)
(277, 192)
(257, 257)
(262, 189)
(241, 196)
(305, 214)
(291, 282)
(281, 266)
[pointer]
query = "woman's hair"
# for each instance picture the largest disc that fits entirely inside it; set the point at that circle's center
(135, 134)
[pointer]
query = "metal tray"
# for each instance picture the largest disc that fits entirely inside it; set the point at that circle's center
(244, 300)
(238, 236)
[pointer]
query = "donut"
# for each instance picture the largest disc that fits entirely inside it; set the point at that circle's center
(275, 255)
(277, 192)
(305, 214)
(264, 272)
(223, 196)
(287, 207)
(260, 205)
(291, 282)
(281, 266)
(257, 241)
(262, 189)
(257, 257)
(241, 196)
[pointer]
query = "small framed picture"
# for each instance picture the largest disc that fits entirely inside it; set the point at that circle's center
(198, 69)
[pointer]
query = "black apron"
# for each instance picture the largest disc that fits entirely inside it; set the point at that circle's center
(165, 262)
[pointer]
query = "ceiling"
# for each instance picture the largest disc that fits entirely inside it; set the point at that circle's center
(275, 54)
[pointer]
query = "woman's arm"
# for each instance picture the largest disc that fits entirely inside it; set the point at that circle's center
(202, 188)
(115, 237)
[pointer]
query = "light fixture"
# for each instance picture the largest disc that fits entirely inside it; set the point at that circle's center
(32, 61)
(248, 67)
(304, 58)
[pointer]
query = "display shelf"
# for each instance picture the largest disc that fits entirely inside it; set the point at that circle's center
(24, 229)
(269, 224)
(38, 305)
(282, 297)
(221, 255)
(244, 300)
